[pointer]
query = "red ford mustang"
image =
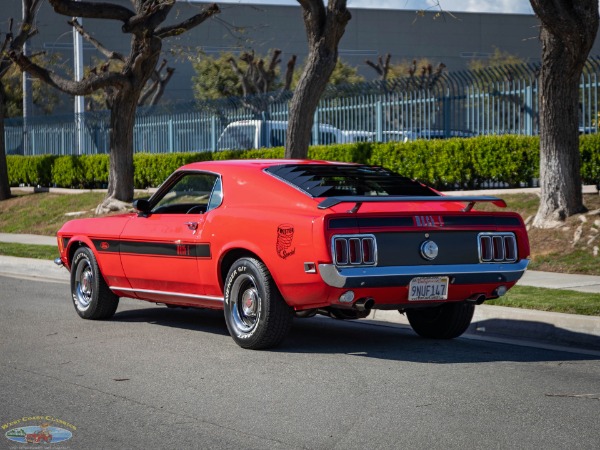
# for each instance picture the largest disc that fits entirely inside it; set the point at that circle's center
(269, 240)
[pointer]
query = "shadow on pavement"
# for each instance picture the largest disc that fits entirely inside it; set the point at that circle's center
(204, 320)
(538, 331)
(320, 335)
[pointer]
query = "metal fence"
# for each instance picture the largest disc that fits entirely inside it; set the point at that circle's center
(501, 100)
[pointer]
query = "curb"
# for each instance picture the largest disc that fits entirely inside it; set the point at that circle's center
(557, 329)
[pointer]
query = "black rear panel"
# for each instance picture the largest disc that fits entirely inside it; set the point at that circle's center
(403, 249)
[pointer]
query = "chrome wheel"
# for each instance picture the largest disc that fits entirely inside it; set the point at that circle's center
(257, 317)
(245, 306)
(84, 280)
(91, 296)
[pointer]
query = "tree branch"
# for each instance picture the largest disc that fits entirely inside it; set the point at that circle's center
(109, 54)
(175, 30)
(84, 87)
(158, 93)
(241, 76)
(315, 17)
(289, 73)
(92, 10)
(27, 29)
(382, 68)
(149, 16)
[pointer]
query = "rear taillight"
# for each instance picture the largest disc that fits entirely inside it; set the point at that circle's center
(354, 250)
(497, 247)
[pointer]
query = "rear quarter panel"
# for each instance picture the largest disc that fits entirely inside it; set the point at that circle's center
(273, 221)
(282, 240)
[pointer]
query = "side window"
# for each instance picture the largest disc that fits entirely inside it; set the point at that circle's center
(216, 197)
(190, 194)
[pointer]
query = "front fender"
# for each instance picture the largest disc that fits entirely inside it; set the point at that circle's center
(109, 263)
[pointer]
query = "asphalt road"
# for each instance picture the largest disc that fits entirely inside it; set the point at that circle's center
(170, 378)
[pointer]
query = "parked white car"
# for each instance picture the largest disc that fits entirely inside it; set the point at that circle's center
(249, 134)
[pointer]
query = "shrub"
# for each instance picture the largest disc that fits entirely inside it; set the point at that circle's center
(30, 170)
(457, 163)
(589, 146)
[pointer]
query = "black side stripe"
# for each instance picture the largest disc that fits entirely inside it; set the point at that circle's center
(153, 248)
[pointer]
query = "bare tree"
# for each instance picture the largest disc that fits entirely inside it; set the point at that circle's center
(259, 79)
(382, 67)
(155, 86)
(417, 75)
(568, 32)
(126, 85)
(325, 26)
(12, 43)
(427, 77)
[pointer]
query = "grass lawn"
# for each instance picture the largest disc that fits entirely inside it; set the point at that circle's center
(554, 300)
(44, 213)
(29, 251)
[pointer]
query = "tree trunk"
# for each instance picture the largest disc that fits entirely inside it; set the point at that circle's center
(4, 185)
(319, 67)
(324, 29)
(122, 120)
(120, 176)
(560, 175)
(568, 32)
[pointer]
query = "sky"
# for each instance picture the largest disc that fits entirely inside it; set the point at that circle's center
(489, 6)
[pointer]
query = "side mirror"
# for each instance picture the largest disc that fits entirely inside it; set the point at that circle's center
(142, 205)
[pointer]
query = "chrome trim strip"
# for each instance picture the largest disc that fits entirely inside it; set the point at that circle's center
(172, 294)
(339, 277)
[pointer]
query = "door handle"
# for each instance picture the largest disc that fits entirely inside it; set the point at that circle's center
(192, 225)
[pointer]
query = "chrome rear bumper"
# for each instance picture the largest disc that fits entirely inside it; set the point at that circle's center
(363, 277)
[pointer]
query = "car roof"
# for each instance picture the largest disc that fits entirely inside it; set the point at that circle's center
(257, 164)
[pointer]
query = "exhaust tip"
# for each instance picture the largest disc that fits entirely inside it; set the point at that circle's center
(478, 299)
(364, 304)
(500, 291)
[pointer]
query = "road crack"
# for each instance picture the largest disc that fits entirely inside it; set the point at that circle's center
(588, 396)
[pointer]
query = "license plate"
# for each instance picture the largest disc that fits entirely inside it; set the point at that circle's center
(428, 288)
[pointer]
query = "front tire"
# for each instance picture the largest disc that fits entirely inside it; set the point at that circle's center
(257, 317)
(90, 294)
(447, 321)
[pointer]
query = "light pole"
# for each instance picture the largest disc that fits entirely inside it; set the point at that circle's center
(27, 98)
(79, 100)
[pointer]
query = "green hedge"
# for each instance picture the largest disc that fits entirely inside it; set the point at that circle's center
(30, 170)
(443, 164)
(463, 163)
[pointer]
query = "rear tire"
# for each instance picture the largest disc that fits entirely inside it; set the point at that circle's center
(257, 317)
(447, 321)
(90, 294)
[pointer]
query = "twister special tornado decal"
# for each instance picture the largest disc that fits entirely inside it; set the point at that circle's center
(285, 236)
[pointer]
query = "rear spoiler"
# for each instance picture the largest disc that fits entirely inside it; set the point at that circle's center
(359, 200)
